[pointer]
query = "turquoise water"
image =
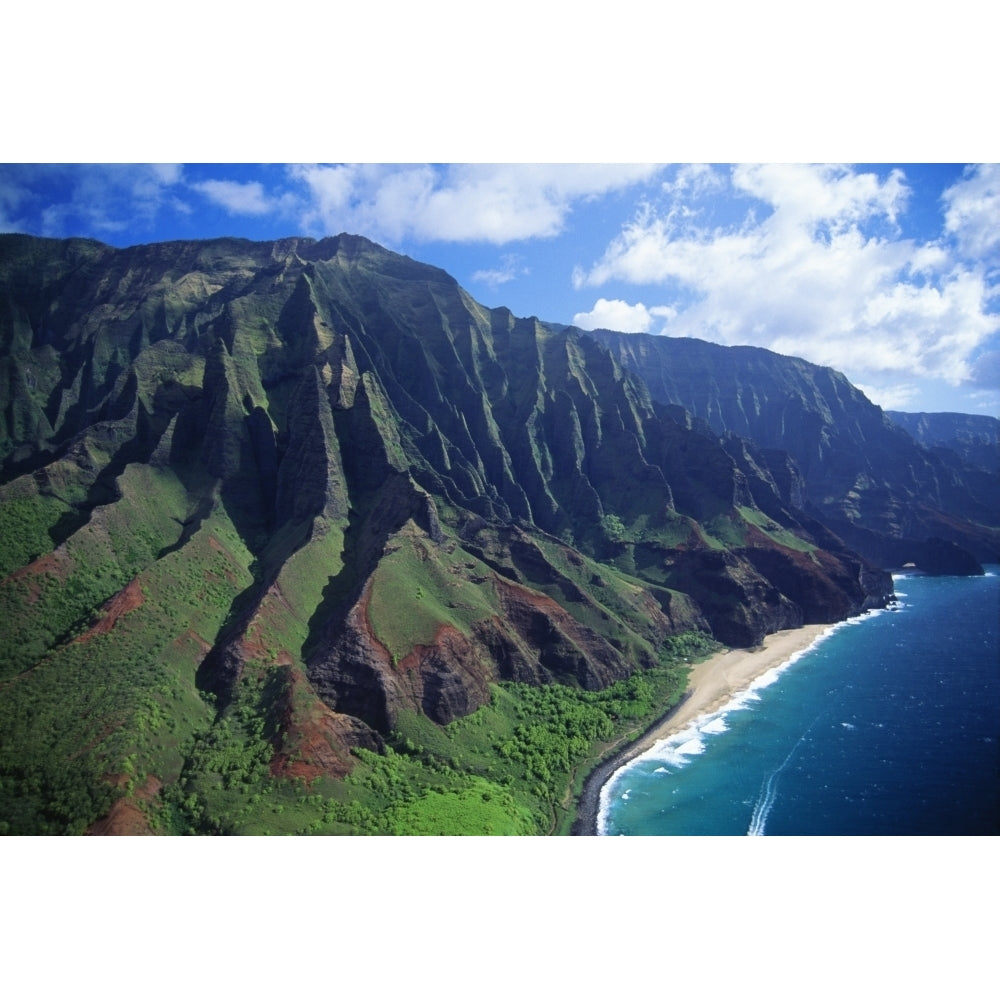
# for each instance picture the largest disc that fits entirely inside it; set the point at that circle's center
(888, 725)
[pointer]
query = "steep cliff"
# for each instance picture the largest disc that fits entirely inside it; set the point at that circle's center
(974, 438)
(339, 493)
(861, 473)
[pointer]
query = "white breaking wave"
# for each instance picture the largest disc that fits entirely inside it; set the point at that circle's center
(677, 750)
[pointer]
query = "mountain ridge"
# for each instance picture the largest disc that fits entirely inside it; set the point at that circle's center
(305, 499)
(974, 437)
(865, 477)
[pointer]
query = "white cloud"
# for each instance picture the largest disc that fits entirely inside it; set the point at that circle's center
(511, 267)
(803, 194)
(615, 314)
(108, 198)
(986, 371)
(890, 397)
(695, 179)
(237, 197)
(472, 202)
(822, 274)
(13, 197)
(972, 215)
(93, 200)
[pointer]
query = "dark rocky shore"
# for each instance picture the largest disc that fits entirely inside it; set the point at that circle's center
(589, 805)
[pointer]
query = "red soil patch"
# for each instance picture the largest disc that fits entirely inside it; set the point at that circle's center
(515, 593)
(125, 818)
(443, 637)
(57, 564)
(127, 599)
(313, 740)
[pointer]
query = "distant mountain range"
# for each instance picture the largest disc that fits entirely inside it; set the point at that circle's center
(871, 477)
(296, 497)
(974, 438)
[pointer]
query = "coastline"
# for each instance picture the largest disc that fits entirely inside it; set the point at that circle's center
(712, 684)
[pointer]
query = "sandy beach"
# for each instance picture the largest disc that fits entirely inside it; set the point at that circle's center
(712, 683)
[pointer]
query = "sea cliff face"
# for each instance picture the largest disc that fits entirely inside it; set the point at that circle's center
(975, 439)
(859, 472)
(340, 492)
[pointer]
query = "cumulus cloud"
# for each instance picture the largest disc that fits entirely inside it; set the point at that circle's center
(464, 203)
(814, 266)
(618, 315)
(972, 213)
(614, 314)
(803, 195)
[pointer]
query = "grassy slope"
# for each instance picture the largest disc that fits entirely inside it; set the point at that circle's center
(85, 709)
(506, 769)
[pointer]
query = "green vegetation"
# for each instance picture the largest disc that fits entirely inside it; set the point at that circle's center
(415, 592)
(724, 532)
(481, 808)
(774, 531)
(94, 710)
(614, 527)
(507, 769)
(25, 523)
(92, 714)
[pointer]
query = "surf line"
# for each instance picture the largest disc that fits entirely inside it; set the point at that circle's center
(769, 787)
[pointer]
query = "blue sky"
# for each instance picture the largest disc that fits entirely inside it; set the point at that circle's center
(890, 274)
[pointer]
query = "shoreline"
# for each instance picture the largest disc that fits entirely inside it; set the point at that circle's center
(712, 684)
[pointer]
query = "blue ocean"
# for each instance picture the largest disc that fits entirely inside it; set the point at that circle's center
(889, 724)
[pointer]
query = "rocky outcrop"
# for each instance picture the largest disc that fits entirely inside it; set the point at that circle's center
(309, 739)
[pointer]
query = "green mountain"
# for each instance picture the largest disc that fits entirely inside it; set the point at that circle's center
(855, 468)
(297, 536)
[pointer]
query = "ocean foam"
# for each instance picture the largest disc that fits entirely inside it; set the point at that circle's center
(764, 775)
(691, 747)
(716, 726)
(676, 750)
